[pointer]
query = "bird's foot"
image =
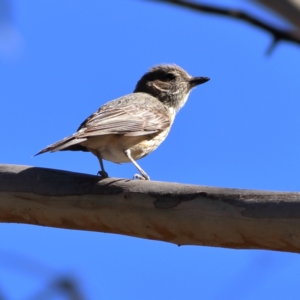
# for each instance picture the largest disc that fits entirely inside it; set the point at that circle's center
(140, 177)
(102, 174)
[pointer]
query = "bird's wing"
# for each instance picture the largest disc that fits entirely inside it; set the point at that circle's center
(136, 114)
(126, 118)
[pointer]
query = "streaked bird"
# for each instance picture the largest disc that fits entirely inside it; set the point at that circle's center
(129, 128)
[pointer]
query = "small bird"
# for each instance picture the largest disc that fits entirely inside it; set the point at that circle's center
(129, 128)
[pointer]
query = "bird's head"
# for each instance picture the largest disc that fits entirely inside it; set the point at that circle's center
(169, 83)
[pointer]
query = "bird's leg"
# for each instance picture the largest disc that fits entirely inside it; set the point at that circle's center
(144, 174)
(103, 174)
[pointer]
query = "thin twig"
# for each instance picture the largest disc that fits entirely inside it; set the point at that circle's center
(277, 33)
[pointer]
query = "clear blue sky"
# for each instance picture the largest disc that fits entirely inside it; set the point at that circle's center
(61, 60)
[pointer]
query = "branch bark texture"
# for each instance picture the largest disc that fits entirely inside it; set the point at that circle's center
(170, 212)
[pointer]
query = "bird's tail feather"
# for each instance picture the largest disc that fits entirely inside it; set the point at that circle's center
(68, 143)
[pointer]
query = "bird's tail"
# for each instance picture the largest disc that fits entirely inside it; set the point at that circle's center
(68, 143)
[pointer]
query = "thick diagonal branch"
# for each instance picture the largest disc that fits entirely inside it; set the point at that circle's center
(277, 33)
(171, 212)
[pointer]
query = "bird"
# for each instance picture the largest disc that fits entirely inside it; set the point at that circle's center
(130, 127)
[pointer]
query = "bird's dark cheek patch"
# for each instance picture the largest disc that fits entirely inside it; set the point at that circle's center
(162, 86)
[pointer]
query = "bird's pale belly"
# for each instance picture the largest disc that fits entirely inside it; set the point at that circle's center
(111, 147)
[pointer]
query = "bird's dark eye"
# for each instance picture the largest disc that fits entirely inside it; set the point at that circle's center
(170, 76)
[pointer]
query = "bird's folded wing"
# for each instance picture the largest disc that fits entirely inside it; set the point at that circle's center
(128, 119)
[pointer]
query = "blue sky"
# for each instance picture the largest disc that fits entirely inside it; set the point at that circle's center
(61, 60)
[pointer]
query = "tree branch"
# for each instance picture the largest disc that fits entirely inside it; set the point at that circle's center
(289, 10)
(277, 33)
(171, 212)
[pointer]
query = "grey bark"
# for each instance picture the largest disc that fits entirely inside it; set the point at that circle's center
(171, 212)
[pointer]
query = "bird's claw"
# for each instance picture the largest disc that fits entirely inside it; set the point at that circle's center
(140, 177)
(102, 174)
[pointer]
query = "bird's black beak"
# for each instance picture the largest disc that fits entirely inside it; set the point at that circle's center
(198, 80)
